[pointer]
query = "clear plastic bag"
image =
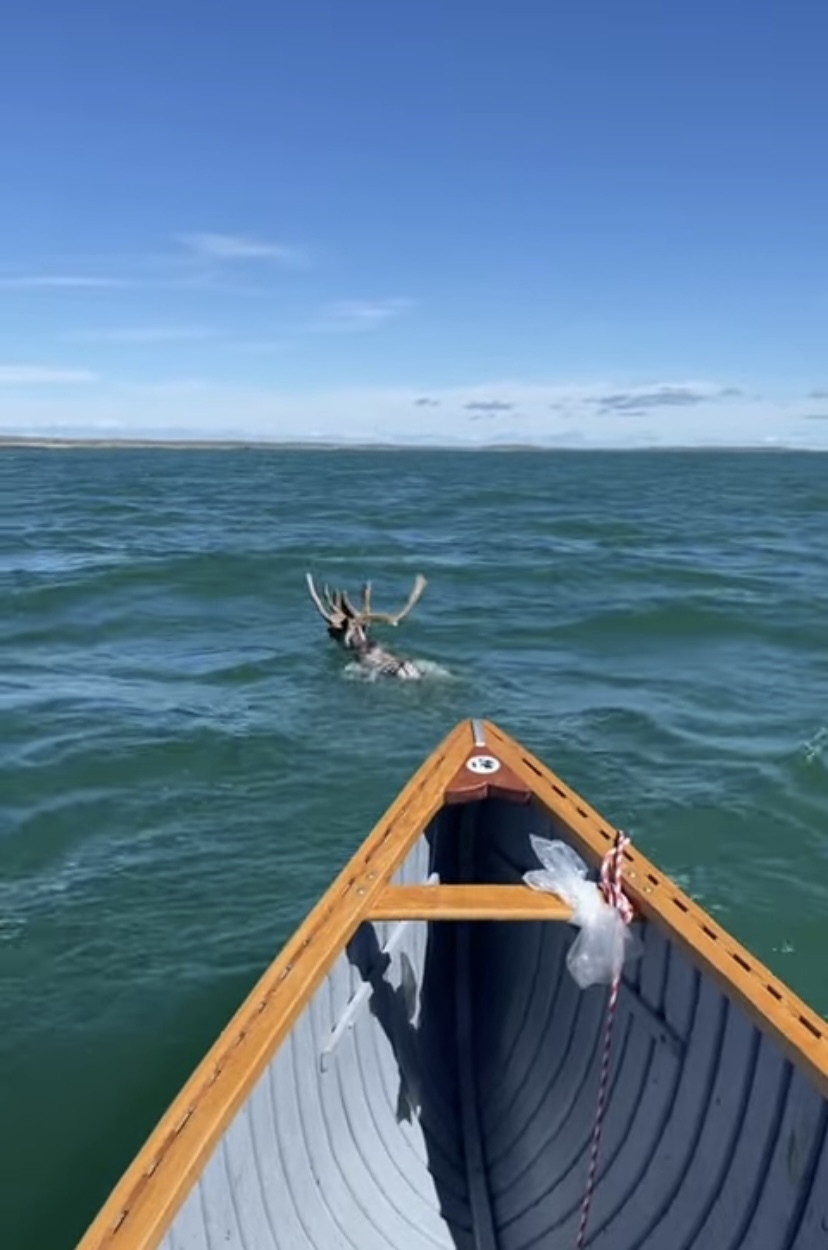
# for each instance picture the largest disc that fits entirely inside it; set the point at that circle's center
(605, 942)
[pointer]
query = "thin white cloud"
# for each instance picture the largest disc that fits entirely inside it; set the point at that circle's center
(262, 347)
(172, 387)
(59, 281)
(202, 263)
(148, 334)
(240, 247)
(44, 375)
(169, 274)
(356, 315)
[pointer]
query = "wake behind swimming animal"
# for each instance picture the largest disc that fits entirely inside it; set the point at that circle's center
(349, 627)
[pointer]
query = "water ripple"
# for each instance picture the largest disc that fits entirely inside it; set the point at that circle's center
(186, 762)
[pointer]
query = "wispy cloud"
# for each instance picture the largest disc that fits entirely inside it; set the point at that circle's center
(640, 400)
(201, 267)
(262, 347)
(356, 315)
(633, 402)
(173, 387)
(228, 247)
(43, 375)
(201, 408)
(200, 260)
(149, 334)
(59, 281)
(425, 401)
(489, 406)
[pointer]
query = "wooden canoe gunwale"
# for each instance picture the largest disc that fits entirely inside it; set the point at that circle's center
(774, 1008)
(138, 1211)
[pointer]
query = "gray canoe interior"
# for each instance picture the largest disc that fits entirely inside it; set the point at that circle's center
(711, 1138)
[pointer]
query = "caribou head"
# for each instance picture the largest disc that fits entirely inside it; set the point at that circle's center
(349, 626)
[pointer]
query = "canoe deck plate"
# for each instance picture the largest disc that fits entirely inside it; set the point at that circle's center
(482, 776)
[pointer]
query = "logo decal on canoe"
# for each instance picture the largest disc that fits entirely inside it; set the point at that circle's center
(482, 764)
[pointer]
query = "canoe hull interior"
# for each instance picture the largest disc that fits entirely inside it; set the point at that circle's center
(439, 1090)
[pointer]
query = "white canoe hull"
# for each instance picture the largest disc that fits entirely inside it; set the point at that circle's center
(437, 1089)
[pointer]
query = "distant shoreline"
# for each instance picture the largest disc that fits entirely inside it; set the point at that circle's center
(14, 441)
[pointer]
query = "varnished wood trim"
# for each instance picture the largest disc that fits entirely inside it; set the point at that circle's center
(466, 902)
(775, 1009)
(470, 786)
(143, 1203)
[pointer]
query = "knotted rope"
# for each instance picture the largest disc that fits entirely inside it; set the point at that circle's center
(611, 873)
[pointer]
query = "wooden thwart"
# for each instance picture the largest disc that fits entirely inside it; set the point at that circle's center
(466, 902)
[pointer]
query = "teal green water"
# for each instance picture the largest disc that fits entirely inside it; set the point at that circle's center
(186, 758)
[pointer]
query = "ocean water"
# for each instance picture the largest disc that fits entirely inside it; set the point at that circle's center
(186, 759)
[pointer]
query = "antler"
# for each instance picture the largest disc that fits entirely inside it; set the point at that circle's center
(348, 606)
(334, 613)
(391, 618)
(337, 607)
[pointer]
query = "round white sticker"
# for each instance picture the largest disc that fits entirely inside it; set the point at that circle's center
(483, 764)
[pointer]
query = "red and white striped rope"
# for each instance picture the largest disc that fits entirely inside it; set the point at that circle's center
(612, 870)
(611, 873)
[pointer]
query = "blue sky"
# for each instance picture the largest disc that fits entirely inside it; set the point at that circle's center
(573, 223)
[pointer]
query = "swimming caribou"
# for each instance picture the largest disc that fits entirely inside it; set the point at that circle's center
(348, 626)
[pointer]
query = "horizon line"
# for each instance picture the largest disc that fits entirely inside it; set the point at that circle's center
(47, 442)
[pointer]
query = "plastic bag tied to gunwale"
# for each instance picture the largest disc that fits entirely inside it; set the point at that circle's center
(605, 942)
